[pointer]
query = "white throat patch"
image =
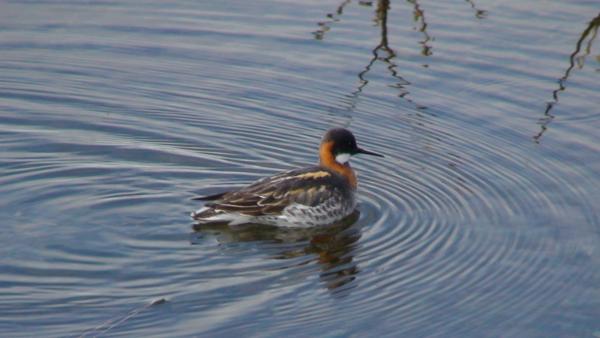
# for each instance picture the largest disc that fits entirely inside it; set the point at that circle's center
(342, 158)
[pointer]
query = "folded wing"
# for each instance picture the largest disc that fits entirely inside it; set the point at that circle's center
(269, 196)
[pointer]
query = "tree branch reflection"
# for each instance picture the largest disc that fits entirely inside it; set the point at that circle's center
(384, 53)
(574, 59)
(479, 13)
(325, 26)
(419, 17)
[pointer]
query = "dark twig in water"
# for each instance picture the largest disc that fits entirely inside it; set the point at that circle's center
(325, 26)
(114, 322)
(419, 17)
(548, 117)
(479, 13)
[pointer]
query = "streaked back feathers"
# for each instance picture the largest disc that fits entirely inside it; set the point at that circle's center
(270, 196)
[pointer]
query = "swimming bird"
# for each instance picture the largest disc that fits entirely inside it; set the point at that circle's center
(313, 196)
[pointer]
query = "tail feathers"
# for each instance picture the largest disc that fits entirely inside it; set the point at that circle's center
(209, 197)
(204, 213)
(210, 215)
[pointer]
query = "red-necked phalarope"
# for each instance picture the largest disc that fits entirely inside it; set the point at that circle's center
(312, 196)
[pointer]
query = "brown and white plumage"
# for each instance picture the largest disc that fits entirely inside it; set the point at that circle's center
(316, 195)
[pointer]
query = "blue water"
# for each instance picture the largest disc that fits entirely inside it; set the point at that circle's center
(482, 219)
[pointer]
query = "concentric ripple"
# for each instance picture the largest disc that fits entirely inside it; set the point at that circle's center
(480, 221)
(479, 228)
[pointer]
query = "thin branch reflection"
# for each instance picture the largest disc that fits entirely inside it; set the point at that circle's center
(419, 18)
(325, 26)
(574, 60)
(384, 53)
(479, 13)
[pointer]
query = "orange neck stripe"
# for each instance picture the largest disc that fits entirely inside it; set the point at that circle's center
(327, 160)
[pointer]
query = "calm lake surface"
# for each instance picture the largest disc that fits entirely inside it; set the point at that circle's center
(483, 219)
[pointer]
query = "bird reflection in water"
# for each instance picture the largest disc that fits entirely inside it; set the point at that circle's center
(332, 246)
(575, 59)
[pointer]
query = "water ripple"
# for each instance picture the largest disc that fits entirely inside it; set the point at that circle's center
(465, 227)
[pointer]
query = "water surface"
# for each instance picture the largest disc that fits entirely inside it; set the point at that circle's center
(482, 220)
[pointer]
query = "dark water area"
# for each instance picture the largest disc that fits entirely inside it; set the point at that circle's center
(482, 219)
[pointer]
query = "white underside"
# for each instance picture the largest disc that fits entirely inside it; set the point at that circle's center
(295, 215)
